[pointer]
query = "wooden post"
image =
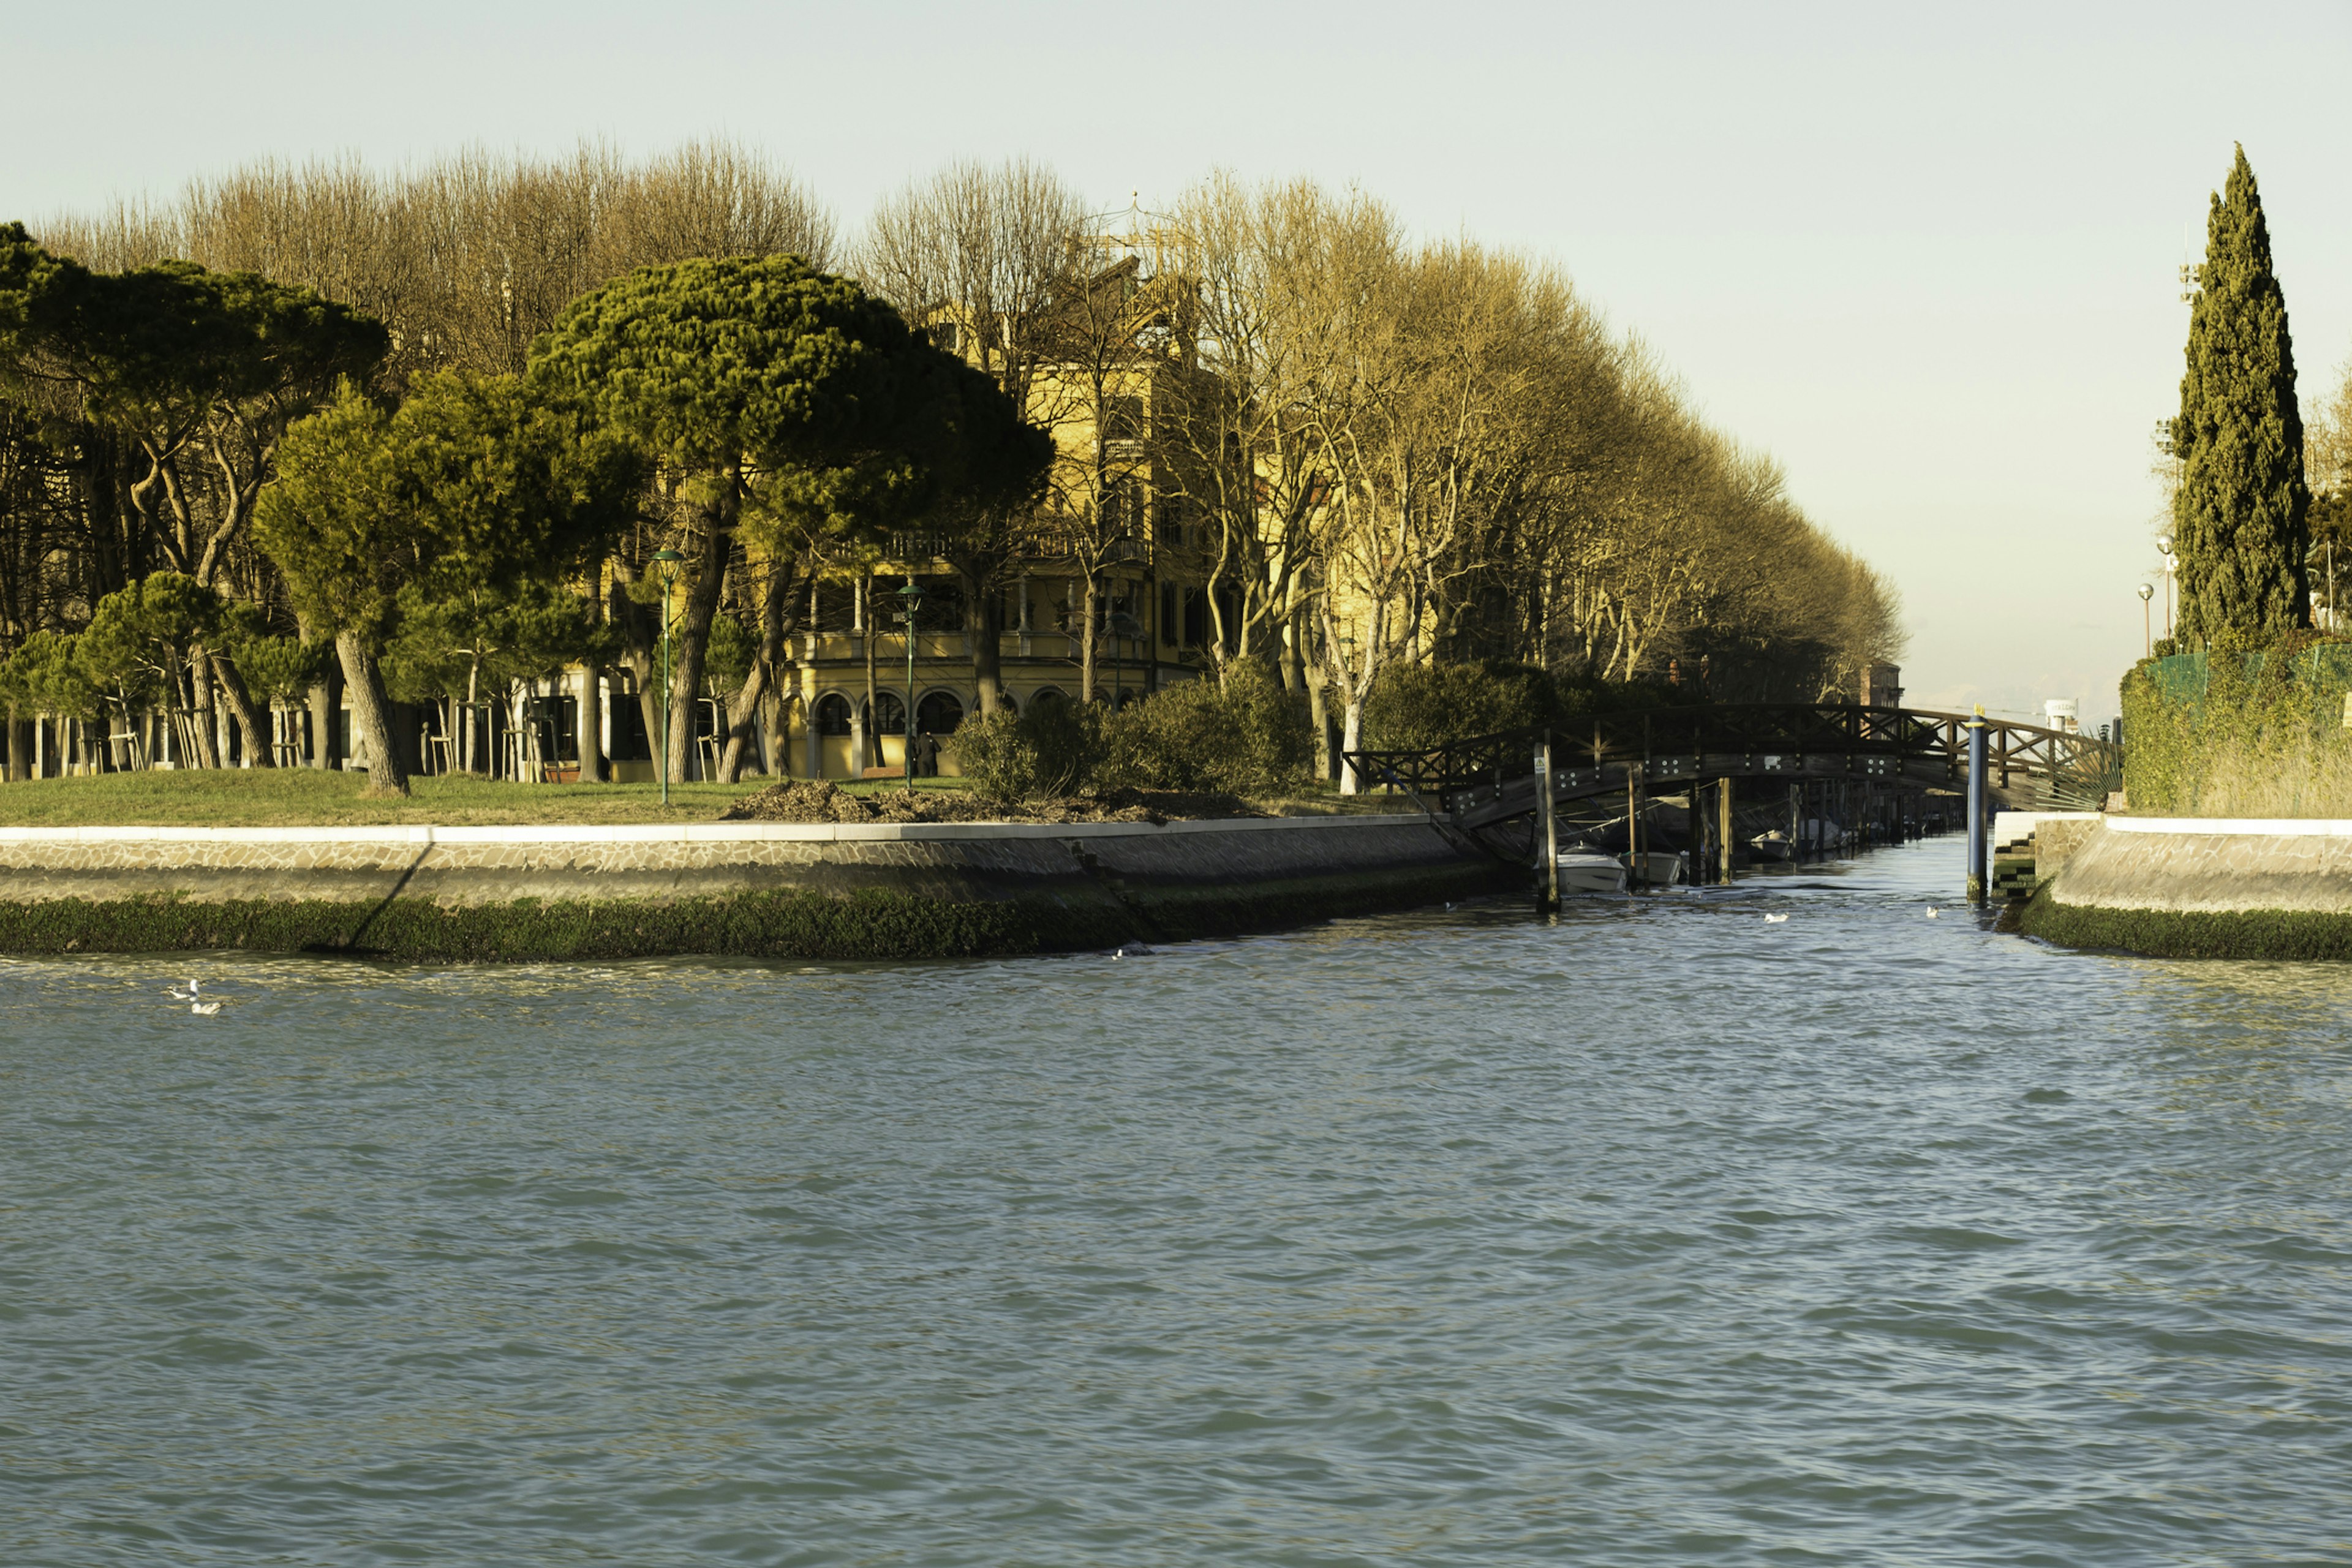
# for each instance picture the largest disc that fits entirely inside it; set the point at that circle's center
(1700, 847)
(1723, 837)
(1796, 823)
(1547, 885)
(1633, 823)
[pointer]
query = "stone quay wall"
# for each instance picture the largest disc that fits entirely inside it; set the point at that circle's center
(2203, 887)
(784, 888)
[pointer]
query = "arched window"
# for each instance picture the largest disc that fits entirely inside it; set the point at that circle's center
(832, 714)
(1045, 694)
(938, 713)
(892, 711)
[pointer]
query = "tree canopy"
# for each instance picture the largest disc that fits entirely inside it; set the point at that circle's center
(762, 380)
(2240, 515)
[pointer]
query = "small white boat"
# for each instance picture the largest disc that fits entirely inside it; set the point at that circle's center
(1584, 869)
(1772, 846)
(1658, 867)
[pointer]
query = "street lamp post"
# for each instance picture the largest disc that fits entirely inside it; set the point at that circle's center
(2172, 564)
(1122, 626)
(668, 560)
(2146, 637)
(911, 597)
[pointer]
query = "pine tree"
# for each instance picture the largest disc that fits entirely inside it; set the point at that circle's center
(2239, 522)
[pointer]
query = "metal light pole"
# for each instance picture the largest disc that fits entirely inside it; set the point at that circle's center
(2172, 564)
(1976, 807)
(1122, 626)
(2146, 637)
(668, 560)
(911, 596)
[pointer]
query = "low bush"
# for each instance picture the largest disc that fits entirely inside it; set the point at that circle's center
(2230, 733)
(1244, 736)
(1052, 750)
(1416, 707)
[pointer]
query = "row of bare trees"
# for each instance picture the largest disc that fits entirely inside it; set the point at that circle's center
(1378, 451)
(1370, 450)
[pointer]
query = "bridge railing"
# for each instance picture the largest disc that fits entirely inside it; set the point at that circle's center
(2081, 762)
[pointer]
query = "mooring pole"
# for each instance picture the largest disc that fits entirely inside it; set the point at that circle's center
(1632, 823)
(1723, 825)
(1547, 885)
(1976, 807)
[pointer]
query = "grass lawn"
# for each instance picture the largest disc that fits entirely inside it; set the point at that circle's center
(299, 797)
(303, 797)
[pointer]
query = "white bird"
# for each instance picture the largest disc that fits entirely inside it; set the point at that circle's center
(204, 1009)
(187, 995)
(1931, 913)
(1774, 919)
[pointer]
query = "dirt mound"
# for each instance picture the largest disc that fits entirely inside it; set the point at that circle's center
(806, 800)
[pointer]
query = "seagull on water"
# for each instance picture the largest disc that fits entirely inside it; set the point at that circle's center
(1931, 911)
(1774, 919)
(204, 1009)
(187, 995)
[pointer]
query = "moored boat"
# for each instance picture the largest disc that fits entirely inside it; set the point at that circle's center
(1584, 869)
(1655, 867)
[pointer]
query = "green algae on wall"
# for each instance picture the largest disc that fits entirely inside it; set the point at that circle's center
(868, 923)
(2190, 933)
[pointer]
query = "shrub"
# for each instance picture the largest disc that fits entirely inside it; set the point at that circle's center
(2229, 734)
(1416, 706)
(1052, 750)
(1247, 736)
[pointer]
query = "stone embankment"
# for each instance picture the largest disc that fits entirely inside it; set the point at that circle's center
(2199, 888)
(760, 888)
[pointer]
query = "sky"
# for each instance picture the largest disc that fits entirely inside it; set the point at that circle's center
(1925, 257)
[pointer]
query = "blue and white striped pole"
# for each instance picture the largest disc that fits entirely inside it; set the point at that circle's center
(1976, 807)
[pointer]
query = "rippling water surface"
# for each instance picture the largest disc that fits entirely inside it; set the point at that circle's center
(1665, 1234)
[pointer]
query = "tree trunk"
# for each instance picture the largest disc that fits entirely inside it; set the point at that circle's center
(1352, 730)
(1318, 713)
(200, 702)
(1086, 642)
(983, 623)
(690, 637)
(372, 710)
(326, 707)
(20, 749)
(743, 710)
(589, 737)
(258, 752)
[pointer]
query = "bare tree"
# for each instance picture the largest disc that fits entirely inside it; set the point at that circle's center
(975, 254)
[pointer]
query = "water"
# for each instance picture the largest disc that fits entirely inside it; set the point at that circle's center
(1663, 1235)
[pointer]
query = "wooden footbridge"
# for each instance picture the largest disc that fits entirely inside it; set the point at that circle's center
(1492, 779)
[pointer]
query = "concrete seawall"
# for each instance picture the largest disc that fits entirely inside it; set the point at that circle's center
(2200, 886)
(818, 890)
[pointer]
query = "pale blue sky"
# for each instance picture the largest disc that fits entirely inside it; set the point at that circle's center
(1925, 257)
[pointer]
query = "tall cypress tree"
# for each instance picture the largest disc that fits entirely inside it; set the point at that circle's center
(2239, 522)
